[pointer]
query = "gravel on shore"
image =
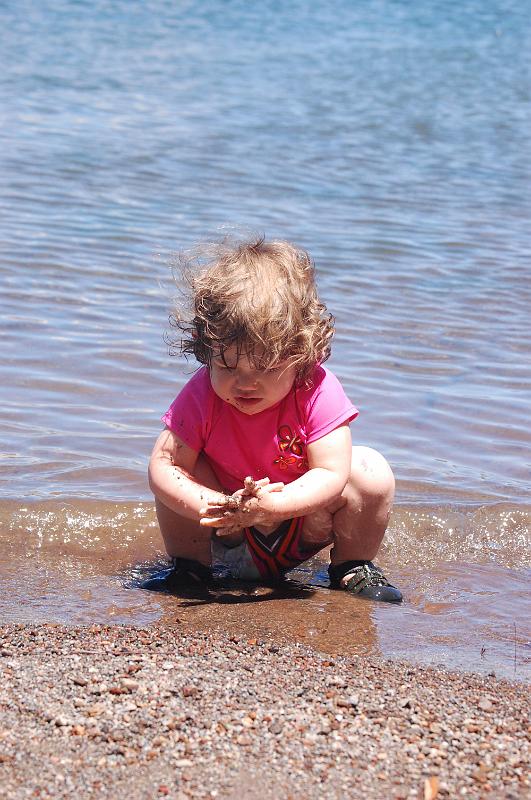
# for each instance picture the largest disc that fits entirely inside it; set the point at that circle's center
(134, 713)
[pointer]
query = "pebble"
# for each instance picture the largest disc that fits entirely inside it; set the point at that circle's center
(129, 683)
(207, 715)
(275, 728)
(190, 691)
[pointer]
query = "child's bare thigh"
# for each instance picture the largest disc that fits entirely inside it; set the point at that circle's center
(370, 475)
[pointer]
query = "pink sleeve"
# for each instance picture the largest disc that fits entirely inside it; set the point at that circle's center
(188, 415)
(327, 406)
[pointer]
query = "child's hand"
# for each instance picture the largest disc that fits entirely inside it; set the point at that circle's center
(248, 506)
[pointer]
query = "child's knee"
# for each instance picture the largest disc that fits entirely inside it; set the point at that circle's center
(371, 478)
(317, 528)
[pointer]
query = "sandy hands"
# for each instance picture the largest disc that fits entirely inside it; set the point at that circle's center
(245, 507)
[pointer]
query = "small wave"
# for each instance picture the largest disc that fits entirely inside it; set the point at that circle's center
(418, 534)
(90, 529)
(460, 570)
(494, 533)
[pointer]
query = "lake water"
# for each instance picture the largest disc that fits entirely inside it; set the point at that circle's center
(391, 139)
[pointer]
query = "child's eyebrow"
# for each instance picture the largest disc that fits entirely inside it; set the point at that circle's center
(219, 361)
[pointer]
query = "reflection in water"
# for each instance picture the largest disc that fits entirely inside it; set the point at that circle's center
(464, 578)
(301, 608)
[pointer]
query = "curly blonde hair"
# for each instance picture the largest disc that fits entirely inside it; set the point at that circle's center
(260, 296)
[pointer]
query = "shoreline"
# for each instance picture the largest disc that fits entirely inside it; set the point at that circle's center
(164, 711)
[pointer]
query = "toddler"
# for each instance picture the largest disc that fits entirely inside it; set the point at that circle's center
(255, 471)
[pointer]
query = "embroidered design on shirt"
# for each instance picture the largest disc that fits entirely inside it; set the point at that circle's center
(291, 450)
(287, 441)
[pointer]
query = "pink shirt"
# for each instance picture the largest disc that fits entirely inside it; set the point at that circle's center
(271, 443)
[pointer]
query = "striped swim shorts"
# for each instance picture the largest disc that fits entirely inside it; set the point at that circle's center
(262, 556)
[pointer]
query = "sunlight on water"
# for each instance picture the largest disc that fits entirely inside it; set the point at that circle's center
(465, 604)
(383, 153)
(395, 146)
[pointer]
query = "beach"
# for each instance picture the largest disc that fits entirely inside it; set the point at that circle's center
(137, 713)
(130, 135)
(391, 140)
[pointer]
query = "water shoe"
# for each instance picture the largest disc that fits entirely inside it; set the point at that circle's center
(365, 580)
(184, 575)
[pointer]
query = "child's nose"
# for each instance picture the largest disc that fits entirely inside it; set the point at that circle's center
(246, 380)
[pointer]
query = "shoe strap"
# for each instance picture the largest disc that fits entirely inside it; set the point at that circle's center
(361, 577)
(338, 571)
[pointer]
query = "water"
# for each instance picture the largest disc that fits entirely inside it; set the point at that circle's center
(389, 138)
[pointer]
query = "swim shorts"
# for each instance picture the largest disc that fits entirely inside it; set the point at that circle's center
(262, 556)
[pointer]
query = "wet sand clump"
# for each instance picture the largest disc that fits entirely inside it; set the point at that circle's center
(135, 713)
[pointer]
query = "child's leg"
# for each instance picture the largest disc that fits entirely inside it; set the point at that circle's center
(355, 523)
(184, 537)
(360, 522)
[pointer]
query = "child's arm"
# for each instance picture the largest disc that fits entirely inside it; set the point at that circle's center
(330, 461)
(171, 479)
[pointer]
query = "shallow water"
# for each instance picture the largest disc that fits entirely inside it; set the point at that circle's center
(464, 576)
(392, 140)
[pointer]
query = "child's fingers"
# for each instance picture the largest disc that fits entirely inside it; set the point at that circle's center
(216, 511)
(218, 522)
(251, 486)
(230, 502)
(214, 522)
(272, 487)
(261, 483)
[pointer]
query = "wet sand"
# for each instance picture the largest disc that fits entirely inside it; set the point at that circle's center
(464, 577)
(134, 713)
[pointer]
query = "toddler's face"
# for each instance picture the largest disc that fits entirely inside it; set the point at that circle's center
(246, 388)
